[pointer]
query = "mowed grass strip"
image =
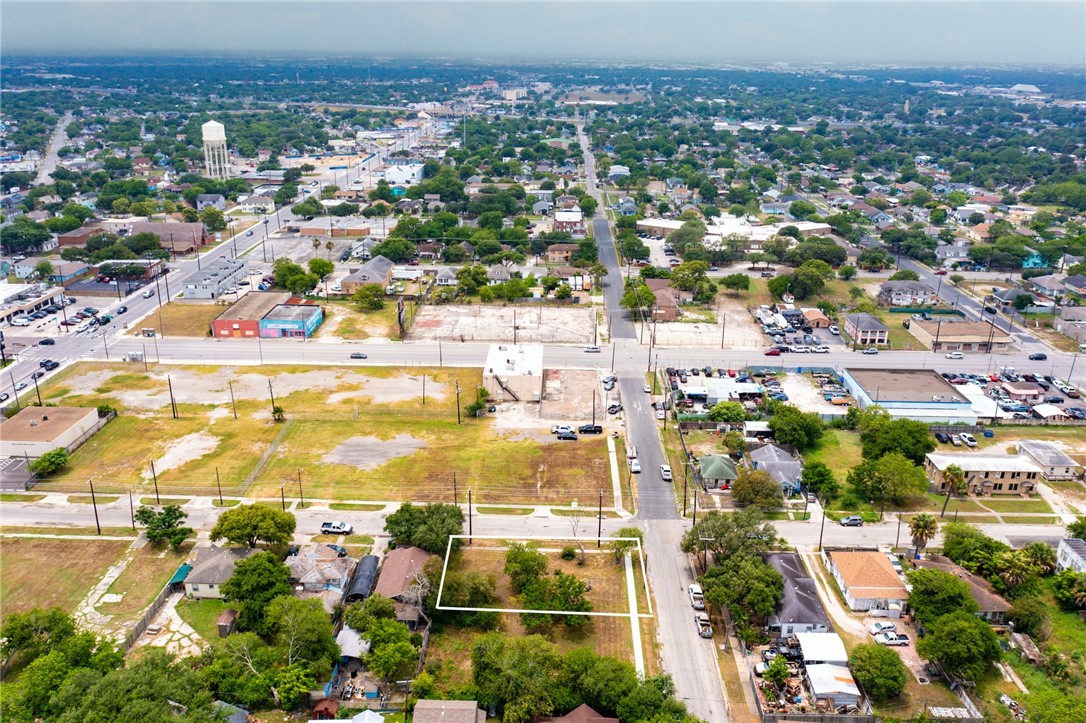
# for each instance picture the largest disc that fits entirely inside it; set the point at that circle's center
(52, 573)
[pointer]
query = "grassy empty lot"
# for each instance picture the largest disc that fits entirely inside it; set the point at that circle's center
(49, 572)
(147, 573)
(1036, 505)
(354, 434)
(182, 319)
(347, 322)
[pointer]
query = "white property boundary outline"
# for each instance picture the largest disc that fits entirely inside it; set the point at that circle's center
(548, 538)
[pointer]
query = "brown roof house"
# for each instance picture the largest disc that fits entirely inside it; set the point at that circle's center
(668, 299)
(180, 238)
(448, 711)
(561, 253)
(397, 577)
(868, 581)
(581, 714)
(212, 567)
(318, 571)
(990, 605)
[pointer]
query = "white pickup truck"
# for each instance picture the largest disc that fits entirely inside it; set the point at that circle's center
(697, 599)
(336, 528)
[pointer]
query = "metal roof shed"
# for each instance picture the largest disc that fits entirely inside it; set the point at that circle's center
(364, 578)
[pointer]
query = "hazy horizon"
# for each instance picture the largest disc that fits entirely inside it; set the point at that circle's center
(878, 32)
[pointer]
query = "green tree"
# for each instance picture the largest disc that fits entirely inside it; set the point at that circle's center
(396, 249)
(846, 272)
(386, 661)
(250, 524)
(190, 215)
(954, 478)
(43, 270)
(320, 267)
(936, 593)
(523, 565)
(1041, 555)
(1077, 528)
(747, 586)
(293, 684)
(963, 644)
(890, 478)
(736, 282)
(790, 426)
(427, 526)
(370, 297)
(516, 675)
(256, 582)
(819, 478)
(35, 632)
(620, 548)
(732, 412)
(882, 435)
(1015, 568)
(1030, 615)
(777, 672)
(905, 275)
(165, 526)
(637, 298)
(757, 488)
(879, 670)
(725, 534)
(972, 549)
(213, 218)
(923, 527)
(50, 462)
(303, 631)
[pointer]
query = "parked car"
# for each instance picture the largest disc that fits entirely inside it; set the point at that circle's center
(665, 473)
(1038, 356)
(559, 428)
(697, 599)
(590, 429)
(871, 350)
(660, 414)
(337, 527)
(834, 330)
(852, 521)
(705, 628)
(635, 466)
(892, 639)
(968, 439)
(881, 627)
(341, 551)
(568, 436)
(942, 437)
(614, 409)
(772, 351)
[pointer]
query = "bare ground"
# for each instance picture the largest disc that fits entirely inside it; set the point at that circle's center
(371, 452)
(184, 450)
(479, 322)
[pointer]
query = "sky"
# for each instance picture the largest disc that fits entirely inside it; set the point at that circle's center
(712, 32)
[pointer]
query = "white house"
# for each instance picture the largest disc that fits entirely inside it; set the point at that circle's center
(1071, 555)
(404, 175)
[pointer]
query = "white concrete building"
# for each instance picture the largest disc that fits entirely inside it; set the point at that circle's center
(215, 279)
(514, 372)
(404, 175)
(33, 431)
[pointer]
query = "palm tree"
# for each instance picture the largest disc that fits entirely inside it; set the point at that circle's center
(923, 528)
(954, 479)
(316, 244)
(329, 246)
(1041, 555)
(1014, 567)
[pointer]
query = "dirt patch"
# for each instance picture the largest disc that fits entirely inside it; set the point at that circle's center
(478, 322)
(518, 421)
(184, 450)
(567, 395)
(739, 330)
(804, 394)
(371, 452)
(403, 388)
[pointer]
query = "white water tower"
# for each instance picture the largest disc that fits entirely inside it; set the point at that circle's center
(216, 161)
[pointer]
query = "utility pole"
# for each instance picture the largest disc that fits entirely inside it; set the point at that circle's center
(234, 404)
(469, 516)
(822, 528)
(173, 402)
(301, 495)
(456, 496)
(458, 403)
(154, 476)
(593, 407)
(94, 504)
(131, 510)
(218, 483)
(271, 392)
(599, 522)
(283, 496)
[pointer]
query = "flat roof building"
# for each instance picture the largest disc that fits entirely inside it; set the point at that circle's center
(1053, 461)
(909, 393)
(243, 318)
(980, 336)
(514, 372)
(33, 431)
(216, 279)
(295, 321)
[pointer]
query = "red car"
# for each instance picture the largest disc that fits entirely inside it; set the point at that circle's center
(773, 352)
(941, 272)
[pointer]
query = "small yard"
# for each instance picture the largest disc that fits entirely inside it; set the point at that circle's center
(146, 574)
(201, 616)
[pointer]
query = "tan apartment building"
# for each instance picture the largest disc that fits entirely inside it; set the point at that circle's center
(985, 474)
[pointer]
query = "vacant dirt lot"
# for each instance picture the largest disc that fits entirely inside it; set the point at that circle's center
(740, 331)
(478, 322)
(567, 395)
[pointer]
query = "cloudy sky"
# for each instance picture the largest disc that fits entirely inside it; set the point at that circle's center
(713, 31)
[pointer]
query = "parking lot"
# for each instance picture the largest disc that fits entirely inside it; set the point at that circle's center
(1014, 394)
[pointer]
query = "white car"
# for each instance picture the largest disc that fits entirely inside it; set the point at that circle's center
(821, 350)
(801, 350)
(660, 414)
(635, 466)
(835, 331)
(968, 439)
(647, 389)
(955, 355)
(665, 472)
(892, 639)
(559, 428)
(881, 627)
(592, 350)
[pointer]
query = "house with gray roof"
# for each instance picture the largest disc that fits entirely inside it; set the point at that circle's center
(906, 293)
(778, 464)
(211, 200)
(377, 270)
(212, 567)
(446, 276)
(866, 329)
(800, 610)
(1053, 461)
(1050, 285)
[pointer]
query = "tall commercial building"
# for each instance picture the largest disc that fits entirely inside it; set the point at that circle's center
(216, 161)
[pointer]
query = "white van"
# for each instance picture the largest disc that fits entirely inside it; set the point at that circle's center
(21, 321)
(631, 452)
